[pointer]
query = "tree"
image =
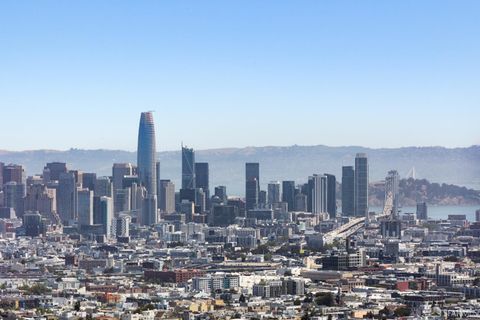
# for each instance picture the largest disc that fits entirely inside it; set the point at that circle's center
(325, 299)
(402, 311)
(77, 306)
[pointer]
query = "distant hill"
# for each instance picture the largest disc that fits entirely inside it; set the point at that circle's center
(459, 166)
(412, 191)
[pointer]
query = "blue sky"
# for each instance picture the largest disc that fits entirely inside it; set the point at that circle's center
(239, 73)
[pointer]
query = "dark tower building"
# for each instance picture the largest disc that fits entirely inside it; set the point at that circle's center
(221, 193)
(361, 185)
(288, 194)
(331, 195)
(202, 179)
(348, 191)
(13, 172)
(54, 169)
(188, 168)
(146, 153)
(422, 213)
(252, 184)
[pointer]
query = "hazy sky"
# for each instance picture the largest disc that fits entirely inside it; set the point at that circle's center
(239, 73)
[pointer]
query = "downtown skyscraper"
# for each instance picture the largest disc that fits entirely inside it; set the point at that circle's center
(361, 185)
(188, 168)
(146, 153)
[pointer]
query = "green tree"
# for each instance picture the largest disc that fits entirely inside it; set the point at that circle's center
(402, 311)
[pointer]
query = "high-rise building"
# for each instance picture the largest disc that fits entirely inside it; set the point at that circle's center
(348, 191)
(288, 194)
(221, 193)
(251, 194)
(149, 210)
(89, 180)
(67, 197)
(40, 198)
(103, 187)
(361, 185)
(13, 172)
(146, 153)
(122, 226)
(392, 188)
(105, 215)
(477, 214)
(122, 200)
(252, 184)
(13, 197)
(1, 174)
(188, 168)
(331, 195)
(85, 206)
(202, 178)
(34, 224)
(319, 193)
(422, 211)
(119, 171)
(301, 202)
(273, 190)
(166, 200)
(52, 171)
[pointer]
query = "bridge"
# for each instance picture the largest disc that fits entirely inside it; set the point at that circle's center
(347, 229)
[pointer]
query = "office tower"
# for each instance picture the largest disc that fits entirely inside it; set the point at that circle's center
(122, 226)
(103, 187)
(273, 193)
(166, 200)
(85, 206)
(34, 224)
(78, 177)
(392, 189)
(200, 200)
(40, 198)
(300, 202)
(477, 213)
(319, 193)
(331, 195)
(361, 185)
(89, 180)
(202, 179)
(348, 191)
(221, 193)
(252, 184)
(67, 197)
(422, 212)
(288, 194)
(104, 214)
(122, 200)
(52, 171)
(149, 210)
(188, 168)
(138, 193)
(13, 197)
(1, 174)
(252, 194)
(146, 153)
(119, 171)
(13, 172)
(157, 174)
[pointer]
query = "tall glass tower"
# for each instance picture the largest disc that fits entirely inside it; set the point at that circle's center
(188, 168)
(146, 153)
(361, 185)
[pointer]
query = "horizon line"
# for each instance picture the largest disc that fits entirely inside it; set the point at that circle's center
(243, 147)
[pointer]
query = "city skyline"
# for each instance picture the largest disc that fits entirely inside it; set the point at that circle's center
(367, 69)
(300, 160)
